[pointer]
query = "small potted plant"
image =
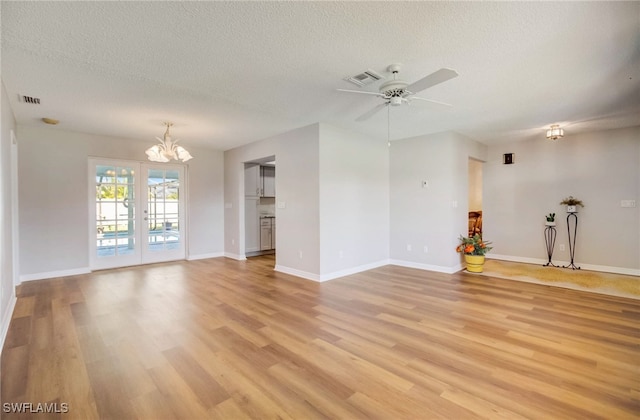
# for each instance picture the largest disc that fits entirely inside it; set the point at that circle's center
(551, 219)
(474, 250)
(572, 204)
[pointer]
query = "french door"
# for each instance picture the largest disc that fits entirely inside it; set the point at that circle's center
(136, 213)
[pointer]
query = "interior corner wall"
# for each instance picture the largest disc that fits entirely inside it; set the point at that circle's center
(420, 216)
(297, 199)
(53, 183)
(354, 202)
(601, 168)
(7, 289)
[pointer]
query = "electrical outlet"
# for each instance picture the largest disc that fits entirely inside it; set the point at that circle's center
(561, 247)
(426, 249)
(300, 254)
(408, 247)
(233, 242)
(425, 184)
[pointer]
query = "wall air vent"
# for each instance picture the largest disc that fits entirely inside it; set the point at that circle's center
(365, 78)
(30, 100)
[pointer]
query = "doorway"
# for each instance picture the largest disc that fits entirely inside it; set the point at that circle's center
(475, 197)
(260, 207)
(136, 213)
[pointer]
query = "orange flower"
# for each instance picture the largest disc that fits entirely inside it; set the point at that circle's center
(459, 248)
(469, 248)
(482, 245)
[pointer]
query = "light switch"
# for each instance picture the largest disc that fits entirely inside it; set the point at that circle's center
(627, 203)
(282, 204)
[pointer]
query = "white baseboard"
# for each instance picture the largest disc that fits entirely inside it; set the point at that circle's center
(297, 273)
(590, 267)
(6, 319)
(330, 276)
(54, 274)
(428, 267)
(353, 270)
(205, 256)
(235, 256)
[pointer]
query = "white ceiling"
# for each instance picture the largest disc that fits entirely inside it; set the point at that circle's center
(230, 73)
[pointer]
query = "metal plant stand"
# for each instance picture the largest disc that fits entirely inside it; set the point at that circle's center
(550, 241)
(572, 239)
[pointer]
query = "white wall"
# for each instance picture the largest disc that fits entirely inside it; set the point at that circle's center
(7, 289)
(436, 215)
(600, 168)
(354, 202)
(475, 185)
(297, 177)
(53, 203)
(334, 187)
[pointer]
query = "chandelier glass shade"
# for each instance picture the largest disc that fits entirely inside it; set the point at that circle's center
(555, 132)
(167, 149)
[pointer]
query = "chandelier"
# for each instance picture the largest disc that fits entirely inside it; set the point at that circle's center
(167, 149)
(555, 132)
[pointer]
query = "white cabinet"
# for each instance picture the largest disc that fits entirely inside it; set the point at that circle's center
(268, 181)
(259, 181)
(266, 234)
(252, 180)
(251, 226)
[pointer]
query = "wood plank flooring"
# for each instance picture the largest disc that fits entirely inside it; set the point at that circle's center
(225, 339)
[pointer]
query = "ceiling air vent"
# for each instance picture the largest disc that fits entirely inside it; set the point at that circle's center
(30, 100)
(365, 78)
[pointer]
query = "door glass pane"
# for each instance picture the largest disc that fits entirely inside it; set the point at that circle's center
(115, 210)
(163, 189)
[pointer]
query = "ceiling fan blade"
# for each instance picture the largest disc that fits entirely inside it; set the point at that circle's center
(360, 91)
(429, 100)
(372, 111)
(433, 79)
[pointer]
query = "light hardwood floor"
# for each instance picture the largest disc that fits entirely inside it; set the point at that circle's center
(220, 338)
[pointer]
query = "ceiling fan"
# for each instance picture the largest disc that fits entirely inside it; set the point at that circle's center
(396, 92)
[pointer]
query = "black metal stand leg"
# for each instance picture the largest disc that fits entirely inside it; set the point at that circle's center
(550, 241)
(572, 243)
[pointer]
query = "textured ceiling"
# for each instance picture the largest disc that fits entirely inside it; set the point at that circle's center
(230, 73)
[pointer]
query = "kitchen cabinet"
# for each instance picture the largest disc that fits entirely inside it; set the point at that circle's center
(259, 181)
(266, 233)
(252, 180)
(268, 181)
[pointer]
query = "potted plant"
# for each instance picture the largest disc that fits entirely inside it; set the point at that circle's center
(474, 250)
(572, 204)
(551, 219)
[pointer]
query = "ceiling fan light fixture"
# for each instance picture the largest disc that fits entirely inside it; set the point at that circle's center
(167, 149)
(555, 132)
(396, 92)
